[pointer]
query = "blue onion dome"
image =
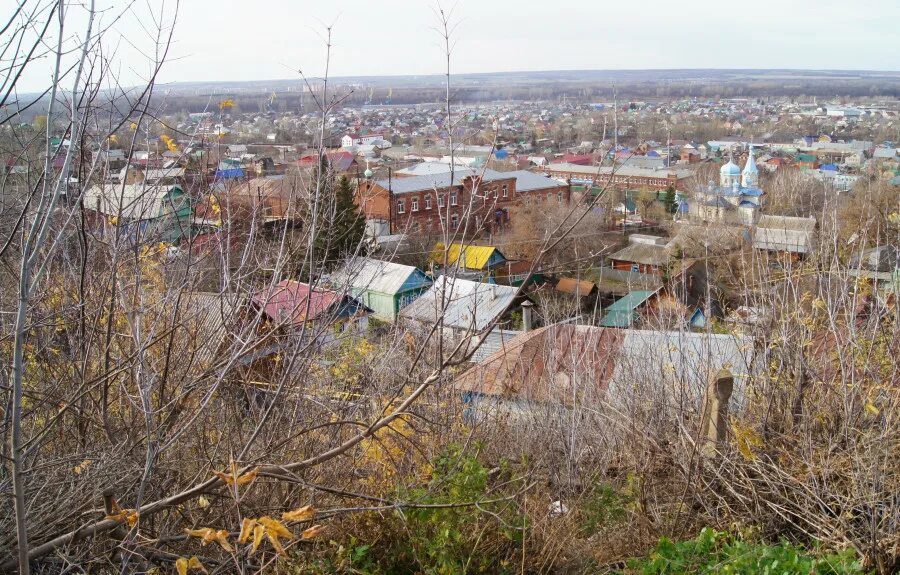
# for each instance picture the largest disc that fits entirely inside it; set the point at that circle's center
(730, 169)
(368, 173)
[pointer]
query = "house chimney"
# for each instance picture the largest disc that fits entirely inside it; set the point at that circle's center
(527, 318)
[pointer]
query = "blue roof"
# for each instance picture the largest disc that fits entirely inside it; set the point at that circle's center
(751, 192)
(229, 174)
(829, 167)
(652, 154)
(747, 204)
(500, 154)
(698, 318)
(730, 169)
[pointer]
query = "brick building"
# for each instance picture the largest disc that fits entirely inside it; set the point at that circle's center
(422, 203)
(623, 178)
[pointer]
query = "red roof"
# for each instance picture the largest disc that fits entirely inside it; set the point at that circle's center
(294, 302)
(579, 159)
(339, 161)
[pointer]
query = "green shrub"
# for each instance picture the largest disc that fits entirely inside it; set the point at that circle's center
(715, 552)
(444, 535)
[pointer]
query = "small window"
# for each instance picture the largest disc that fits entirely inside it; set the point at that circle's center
(559, 197)
(415, 204)
(427, 202)
(496, 193)
(454, 221)
(440, 201)
(505, 190)
(401, 207)
(453, 199)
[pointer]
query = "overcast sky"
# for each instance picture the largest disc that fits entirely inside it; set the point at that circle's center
(271, 39)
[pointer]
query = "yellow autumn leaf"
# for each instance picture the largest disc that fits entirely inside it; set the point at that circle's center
(258, 533)
(248, 477)
(275, 527)
(870, 407)
(210, 535)
(304, 513)
(202, 502)
(276, 544)
(247, 526)
(233, 478)
(746, 440)
(183, 565)
(81, 467)
(129, 516)
(312, 532)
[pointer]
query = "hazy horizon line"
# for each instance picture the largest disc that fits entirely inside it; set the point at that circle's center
(545, 71)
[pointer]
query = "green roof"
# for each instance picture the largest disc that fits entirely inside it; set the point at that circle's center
(806, 158)
(621, 312)
(618, 319)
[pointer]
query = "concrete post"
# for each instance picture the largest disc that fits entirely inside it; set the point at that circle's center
(527, 318)
(714, 424)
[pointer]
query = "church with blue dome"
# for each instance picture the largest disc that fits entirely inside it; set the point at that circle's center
(737, 198)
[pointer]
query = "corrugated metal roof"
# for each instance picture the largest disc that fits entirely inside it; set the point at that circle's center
(375, 275)
(621, 313)
(647, 254)
(529, 181)
(625, 171)
(462, 304)
(427, 169)
(630, 301)
(206, 317)
(493, 341)
(438, 181)
(572, 286)
(137, 201)
(568, 364)
(295, 302)
(466, 257)
(783, 233)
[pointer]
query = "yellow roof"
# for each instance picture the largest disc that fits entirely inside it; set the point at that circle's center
(473, 257)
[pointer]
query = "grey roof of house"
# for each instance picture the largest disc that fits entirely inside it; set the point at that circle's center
(206, 317)
(495, 340)
(427, 169)
(626, 171)
(877, 259)
(784, 233)
(683, 357)
(438, 181)
(787, 223)
(542, 365)
(373, 275)
(137, 201)
(463, 304)
(647, 254)
(529, 181)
